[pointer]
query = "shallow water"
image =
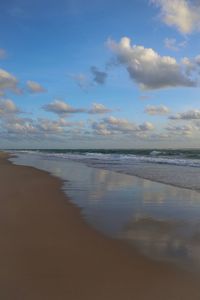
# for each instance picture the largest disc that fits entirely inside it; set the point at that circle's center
(162, 221)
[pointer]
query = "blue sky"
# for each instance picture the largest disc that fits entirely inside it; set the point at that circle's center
(100, 74)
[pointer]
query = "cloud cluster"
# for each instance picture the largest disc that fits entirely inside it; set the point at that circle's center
(14, 124)
(157, 110)
(112, 125)
(186, 130)
(35, 87)
(62, 108)
(181, 14)
(147, 68)
(188, 115)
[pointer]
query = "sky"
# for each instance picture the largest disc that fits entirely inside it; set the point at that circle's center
(99, 74)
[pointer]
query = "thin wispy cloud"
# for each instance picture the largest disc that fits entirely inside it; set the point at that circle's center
(3, 53)
(99, 77)
(173, 44)
(82, 81)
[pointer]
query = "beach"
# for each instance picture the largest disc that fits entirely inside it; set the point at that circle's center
(49, 252)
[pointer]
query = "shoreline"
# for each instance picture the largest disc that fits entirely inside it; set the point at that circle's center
(186, 177)
(49, 252)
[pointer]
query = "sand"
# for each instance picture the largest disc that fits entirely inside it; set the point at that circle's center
(48, 252)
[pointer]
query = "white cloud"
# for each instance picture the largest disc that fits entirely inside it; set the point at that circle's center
(62, 108)
(157, 110)
(7, 107)
(98, 108)
(8, 82)
(181, 14)
(147, 68)
(188, 115)
(35, 87)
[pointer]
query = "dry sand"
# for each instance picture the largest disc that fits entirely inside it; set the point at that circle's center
(48, 252)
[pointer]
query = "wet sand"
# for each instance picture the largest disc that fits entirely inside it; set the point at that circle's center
(48, 252)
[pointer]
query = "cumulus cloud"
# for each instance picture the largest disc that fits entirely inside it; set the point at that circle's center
(181, 14)
(157, 110)
(99, 77)
(35, 87)
(60, 107)
(112, 125)
(187, 115)
(98, 108)
(3, 53)
(7, 107)
(8, 82)
(149, 69)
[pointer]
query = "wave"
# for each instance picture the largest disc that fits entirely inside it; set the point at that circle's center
(189, 158)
